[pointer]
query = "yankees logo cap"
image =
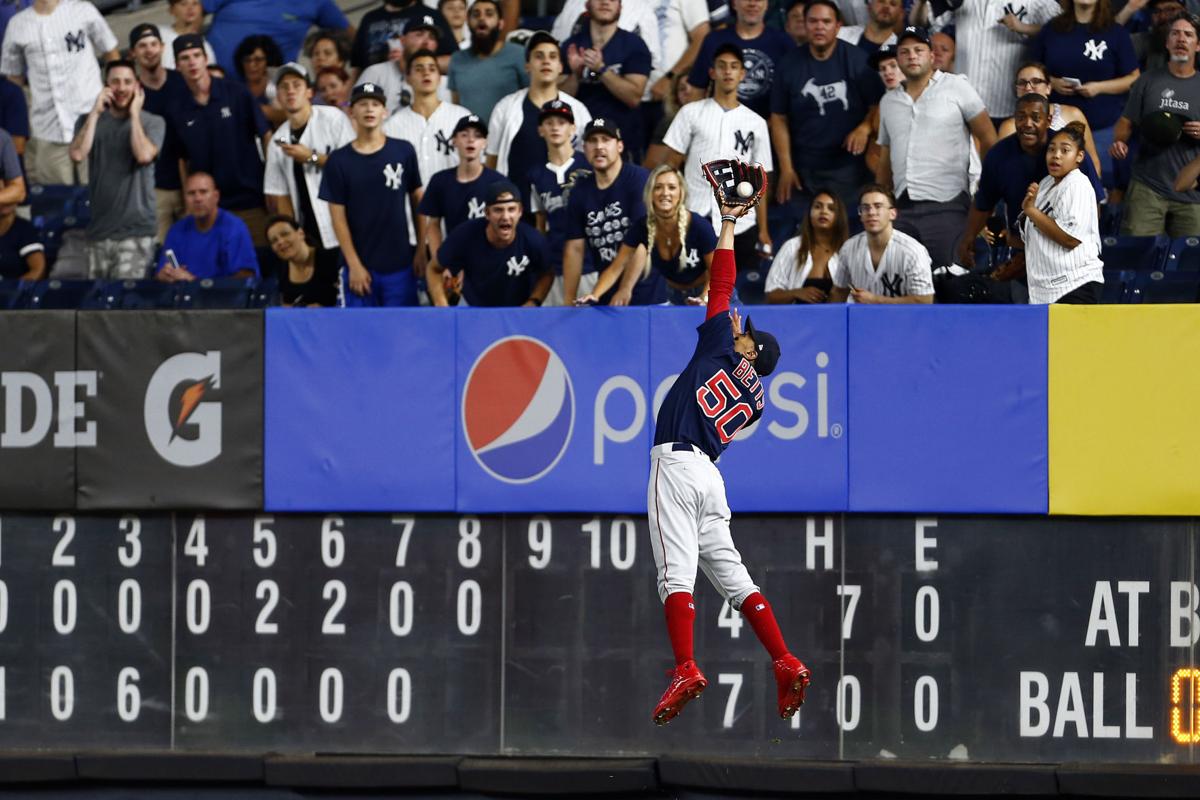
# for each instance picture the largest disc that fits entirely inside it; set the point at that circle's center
(602, 125)
(470, 121)
(501, 192)
(768, 350)
(188, 41)
(881, 55)
(556, 108)
(140, 32)
(421, 23)
(368, 91)
(913, 32)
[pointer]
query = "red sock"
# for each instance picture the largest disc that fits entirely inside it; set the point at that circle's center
(758, 613)
(681, 612)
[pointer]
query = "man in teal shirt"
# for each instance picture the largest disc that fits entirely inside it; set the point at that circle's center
(491, 68)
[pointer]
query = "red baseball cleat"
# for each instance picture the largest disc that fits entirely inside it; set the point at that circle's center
(687, 682)
(792, 678)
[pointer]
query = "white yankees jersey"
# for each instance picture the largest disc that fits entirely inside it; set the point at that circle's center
(508, 116)
(58, 54)
(904, 270)
(676, 20)
(390, 75)
(704, 131)
(989, 53)
(431, 137)
(1053, 270)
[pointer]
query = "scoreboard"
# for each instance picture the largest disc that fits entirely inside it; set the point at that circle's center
(973, 638)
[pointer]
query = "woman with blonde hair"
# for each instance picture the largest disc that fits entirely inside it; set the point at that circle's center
(666, 254)
(803, 269)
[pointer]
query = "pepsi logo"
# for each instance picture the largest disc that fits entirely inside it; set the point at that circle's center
(518, 409)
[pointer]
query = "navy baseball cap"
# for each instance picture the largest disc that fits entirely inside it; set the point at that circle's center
(292, 68)
(188, 41)
(602, 125)
(140, 32)
(768, 350)
(559, 109)
(538, 37)
(496, 192)
(421, 23)
(368, 91)
(470, 121)
(881, 55)
(913, 32)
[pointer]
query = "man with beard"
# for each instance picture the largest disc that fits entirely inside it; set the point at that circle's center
(1150, 46)
(491, 67)
(925, 138)
(418, 33)
(765, 49)
(1010, 166)
(120, 141)
(495, 261)
(1165, 104)
(161, 86)
(880, 30)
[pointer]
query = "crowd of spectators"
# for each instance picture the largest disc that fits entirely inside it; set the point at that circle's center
(441, 153)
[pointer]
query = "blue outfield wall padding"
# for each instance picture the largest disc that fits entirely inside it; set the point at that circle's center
(552, 412)
(794, 457)
(948, 409)
(359, 410)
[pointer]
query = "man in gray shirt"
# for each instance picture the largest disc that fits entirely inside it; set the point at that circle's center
(120, 142)
(1158, 101)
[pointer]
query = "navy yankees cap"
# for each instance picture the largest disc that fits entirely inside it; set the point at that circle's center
(470, 121)
(292, 68)
(140, 32)
(602, 125)
(881, 55)
(368, 91)
(501, 192)
(768, 350)
(188, 41)
(560, 109)
(422, 23)
(913, 32)
(538, 37)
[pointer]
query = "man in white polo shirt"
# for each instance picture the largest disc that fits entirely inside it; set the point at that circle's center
(54, 45)
(881, 265)
(925, 130)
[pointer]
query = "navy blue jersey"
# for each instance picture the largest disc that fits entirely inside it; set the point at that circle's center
(699, 242)
(159, 101)
(550, 192)
(601, 216)
(626, 54)
(527, 150)
(14, 111)
(456, 202)
(222, 138)
(717, 394)
(763, 54)
(19, 242)
(375, 190)
(495, 276)
(1007, 172)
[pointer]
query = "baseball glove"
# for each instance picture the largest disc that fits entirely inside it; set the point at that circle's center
(726, 175)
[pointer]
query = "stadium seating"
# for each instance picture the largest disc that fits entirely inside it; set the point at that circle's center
(265, 294)
(59, 294)
(1117, 284)
(1133, 252)
(1184, 255)
(135, 295)
(1166, 287)
(218, 293)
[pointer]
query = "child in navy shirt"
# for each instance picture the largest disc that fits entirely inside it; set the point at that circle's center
(551, 183)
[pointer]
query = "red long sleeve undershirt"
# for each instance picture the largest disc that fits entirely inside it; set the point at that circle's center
(720, 284)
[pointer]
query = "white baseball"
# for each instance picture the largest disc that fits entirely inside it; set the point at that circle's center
(744, 189)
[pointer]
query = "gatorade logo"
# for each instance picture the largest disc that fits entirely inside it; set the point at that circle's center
(183, 421)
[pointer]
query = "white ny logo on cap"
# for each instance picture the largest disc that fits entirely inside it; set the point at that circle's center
(368, 87)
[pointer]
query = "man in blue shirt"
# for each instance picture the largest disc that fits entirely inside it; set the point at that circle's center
(610, 78)
(763, 47)
(820, 103)
(380, 26)
(369, 185)
(209, 242)
(218, 127)
(600, 208)
(551, 183)
(496, 261)
(285, 21)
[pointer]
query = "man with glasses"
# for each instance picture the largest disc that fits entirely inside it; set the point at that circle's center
(881, 265)
(925, 138)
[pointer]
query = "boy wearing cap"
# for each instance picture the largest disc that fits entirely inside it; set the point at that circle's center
(550, 183)
(161, 86)
(54, 46)
(381, 26)
(299, 150)
(495, 261)
(456, 195)
(515, 146)
(120, 141)
(428, 121)
(219, 128)
(600, 208)
(418, 33)
(371, 184)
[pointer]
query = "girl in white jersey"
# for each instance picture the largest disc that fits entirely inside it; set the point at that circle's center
(1062, 227)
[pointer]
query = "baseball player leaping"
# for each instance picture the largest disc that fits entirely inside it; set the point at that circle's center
(717, 394)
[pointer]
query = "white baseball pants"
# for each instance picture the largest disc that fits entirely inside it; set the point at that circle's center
(689, 525)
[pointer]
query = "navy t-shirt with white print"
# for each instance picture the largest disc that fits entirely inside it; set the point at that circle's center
(457, 202)
(495, 276)
(552, 199)
(375, 191)
(601, 216)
